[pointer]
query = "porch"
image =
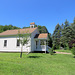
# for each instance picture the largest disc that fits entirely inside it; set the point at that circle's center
(41, 45)
(41, 42)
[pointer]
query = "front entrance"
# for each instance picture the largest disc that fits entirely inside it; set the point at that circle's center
(40, 45)
(37, 43)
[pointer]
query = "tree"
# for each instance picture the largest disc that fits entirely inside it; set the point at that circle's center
(42, 29)
(66, 24)
(74, 21)
(56, 36)
(1, 28)
(23, 39)
(50, 40)
(25, 27)
(62, 26)
(65, 34)
(73, 50)
(7, 27)
(72, 41)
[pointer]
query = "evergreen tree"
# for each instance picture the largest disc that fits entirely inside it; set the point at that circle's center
(66, 24)
(49, 40)
(74, 21)
(62, 26)
(56, 36)
(68, 33)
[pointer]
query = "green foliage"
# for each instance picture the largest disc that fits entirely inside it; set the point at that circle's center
(66, 24)
(67, 46)
(42, 29)
(56, 36)
(23, 39)
(25, 27)
(74, 21)
(57, 46)
(50, 40)
(7, 27)
(53, 47)
(51, 51)
(67, 34)
(73, 51)
(64, 34)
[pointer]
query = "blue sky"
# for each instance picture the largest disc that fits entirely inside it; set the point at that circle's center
(43, 12)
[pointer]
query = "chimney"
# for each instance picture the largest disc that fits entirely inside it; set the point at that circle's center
(32, 25)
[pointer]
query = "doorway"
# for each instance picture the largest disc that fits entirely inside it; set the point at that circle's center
(37, 42)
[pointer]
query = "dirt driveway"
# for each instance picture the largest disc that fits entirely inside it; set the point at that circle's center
(62, 53)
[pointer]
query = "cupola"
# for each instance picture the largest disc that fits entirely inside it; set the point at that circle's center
(32, 25)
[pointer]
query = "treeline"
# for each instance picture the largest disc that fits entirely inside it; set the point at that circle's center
(64, 35)
(7, 27)
(42, 29)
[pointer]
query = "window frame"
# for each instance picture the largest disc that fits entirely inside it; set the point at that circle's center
(18, 43)
(5, 43)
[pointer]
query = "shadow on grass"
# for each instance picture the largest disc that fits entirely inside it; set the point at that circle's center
(34, 56)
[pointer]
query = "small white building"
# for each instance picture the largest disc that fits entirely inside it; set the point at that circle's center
(37, 42)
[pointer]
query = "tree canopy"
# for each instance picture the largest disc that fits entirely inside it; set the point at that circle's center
(64, 35)
(7, 27)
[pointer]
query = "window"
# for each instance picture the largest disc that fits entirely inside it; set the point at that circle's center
(5, 43)
(18, 43)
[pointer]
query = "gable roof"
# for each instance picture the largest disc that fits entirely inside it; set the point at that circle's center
(41, 36)
(14, 32)
(32, 23)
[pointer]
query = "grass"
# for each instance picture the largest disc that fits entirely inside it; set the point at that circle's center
(68, 51)
(36, 64)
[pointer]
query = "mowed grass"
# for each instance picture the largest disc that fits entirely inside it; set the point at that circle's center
(36, 64)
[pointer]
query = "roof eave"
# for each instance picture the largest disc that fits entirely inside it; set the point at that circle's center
(40, 38)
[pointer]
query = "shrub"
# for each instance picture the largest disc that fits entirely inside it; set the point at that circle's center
(73, 51)
(57, 47)
(51, 51)
(67, 46)
(71, 43)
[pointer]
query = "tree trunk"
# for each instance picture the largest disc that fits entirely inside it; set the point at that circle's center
(21, 55)
(21, 52)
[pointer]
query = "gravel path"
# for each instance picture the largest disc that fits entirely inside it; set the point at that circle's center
(62, 52)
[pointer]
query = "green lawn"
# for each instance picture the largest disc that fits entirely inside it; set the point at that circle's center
(36, 64)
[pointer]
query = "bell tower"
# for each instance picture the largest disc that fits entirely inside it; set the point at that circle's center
(32, 25)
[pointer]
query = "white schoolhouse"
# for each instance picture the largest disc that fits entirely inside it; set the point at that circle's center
(37, 42)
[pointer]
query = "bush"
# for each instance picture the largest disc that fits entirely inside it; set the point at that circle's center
(66, 47)
(51, 51)
(57, 47)
(71, 43)
(73, 51)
